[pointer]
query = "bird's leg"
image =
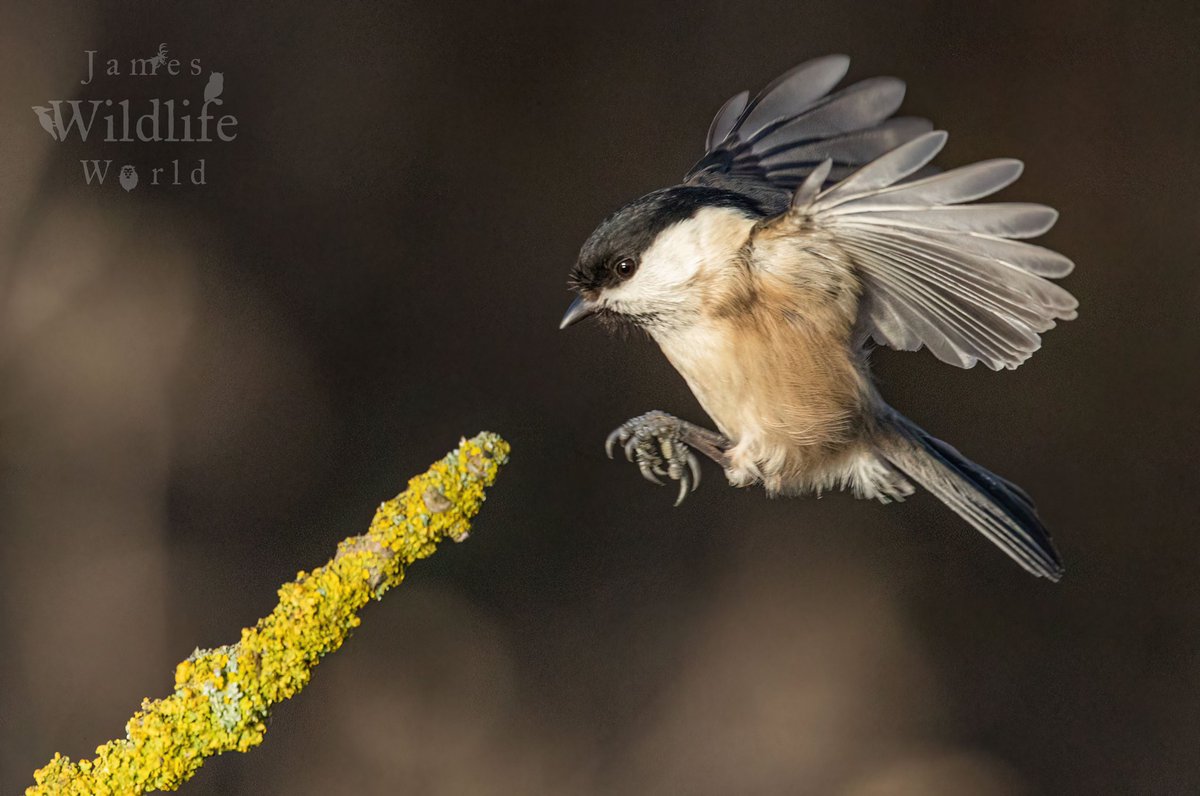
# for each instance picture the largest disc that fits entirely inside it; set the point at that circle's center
(662, 446)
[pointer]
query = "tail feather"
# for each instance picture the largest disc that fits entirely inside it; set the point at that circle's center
(1000, 510)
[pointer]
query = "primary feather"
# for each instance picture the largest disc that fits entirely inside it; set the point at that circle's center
(795, 123)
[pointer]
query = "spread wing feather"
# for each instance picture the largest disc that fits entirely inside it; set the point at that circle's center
(955, 278)
(964, 184)
(726, 118)
(795, 123)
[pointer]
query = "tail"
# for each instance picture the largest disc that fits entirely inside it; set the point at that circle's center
(998, 509)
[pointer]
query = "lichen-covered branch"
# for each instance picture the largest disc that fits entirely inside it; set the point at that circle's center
(223, 696)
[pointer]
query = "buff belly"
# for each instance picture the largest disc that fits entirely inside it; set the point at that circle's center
(793, 420)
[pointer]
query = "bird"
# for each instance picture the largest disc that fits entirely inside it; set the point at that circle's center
(214, 87)
(815, 228)
(47, 122)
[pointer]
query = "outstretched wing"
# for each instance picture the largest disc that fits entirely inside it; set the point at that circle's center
(795, 123)
(954, 277)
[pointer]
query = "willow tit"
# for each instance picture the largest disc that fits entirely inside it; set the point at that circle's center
(812, 228)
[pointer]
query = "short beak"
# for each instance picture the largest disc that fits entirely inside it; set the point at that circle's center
(580, 308)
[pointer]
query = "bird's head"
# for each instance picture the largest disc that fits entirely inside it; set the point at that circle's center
(646, 263)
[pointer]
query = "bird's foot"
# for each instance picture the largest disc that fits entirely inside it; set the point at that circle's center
(662, 447)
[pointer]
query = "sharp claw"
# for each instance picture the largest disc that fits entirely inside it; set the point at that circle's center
(683, 489)
(610, 441)
(648, 474)
(655, 443)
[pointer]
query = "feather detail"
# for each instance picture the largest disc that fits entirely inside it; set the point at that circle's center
(955, 278)
(795, 89)
(964, 184)
(795, 124)
(886, 170)
(995, 507)
(812, 185)
(726, 118)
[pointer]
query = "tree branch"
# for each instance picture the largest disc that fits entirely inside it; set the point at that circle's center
(223, 696)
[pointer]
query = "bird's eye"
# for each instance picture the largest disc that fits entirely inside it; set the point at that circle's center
(625, 267)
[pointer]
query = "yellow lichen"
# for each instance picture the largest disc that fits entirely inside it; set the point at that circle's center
(223, 696)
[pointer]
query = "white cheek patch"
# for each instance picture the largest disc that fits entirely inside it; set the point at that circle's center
(709, 239)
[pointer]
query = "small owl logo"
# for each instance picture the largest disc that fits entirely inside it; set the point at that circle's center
(129, 178)
(216, 84)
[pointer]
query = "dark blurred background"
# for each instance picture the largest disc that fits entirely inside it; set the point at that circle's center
(203, 388)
